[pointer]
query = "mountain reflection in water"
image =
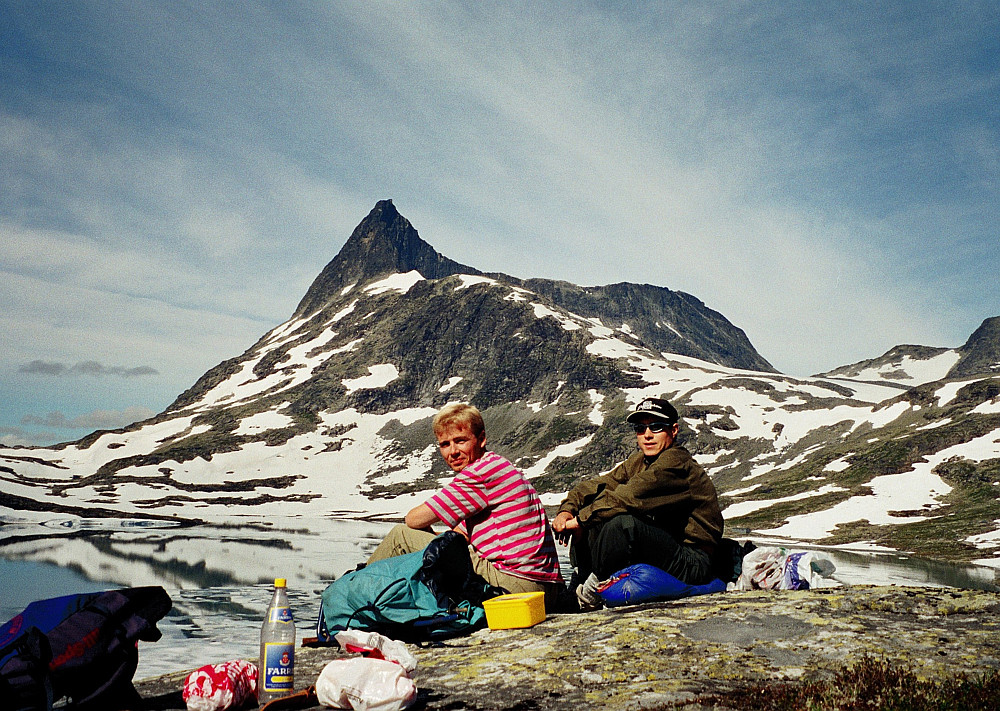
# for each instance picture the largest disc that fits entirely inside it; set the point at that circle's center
(220, 576)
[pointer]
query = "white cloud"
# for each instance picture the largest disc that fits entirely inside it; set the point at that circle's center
(19, 437)
(87, 367)
(98, 419)
(64, 322)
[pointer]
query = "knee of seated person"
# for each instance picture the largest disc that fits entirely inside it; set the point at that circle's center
(623, 524)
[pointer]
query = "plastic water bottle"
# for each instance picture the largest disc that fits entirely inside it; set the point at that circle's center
(277, 647)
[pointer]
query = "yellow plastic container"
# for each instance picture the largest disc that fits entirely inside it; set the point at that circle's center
(515, 610)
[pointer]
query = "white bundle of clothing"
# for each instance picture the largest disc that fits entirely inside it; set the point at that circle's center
(772, 568)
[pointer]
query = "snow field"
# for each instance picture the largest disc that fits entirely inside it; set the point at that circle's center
(911, 371)
(743, 508)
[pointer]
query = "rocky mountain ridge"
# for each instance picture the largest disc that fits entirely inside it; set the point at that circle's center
(981, 353)
(903, 365)
(328, 413)
(386, 243)
(911, 365)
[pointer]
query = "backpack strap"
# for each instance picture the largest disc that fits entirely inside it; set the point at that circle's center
(371, 606)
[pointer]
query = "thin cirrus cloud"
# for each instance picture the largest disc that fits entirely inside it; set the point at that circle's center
(176, 174)
(87, 367)
(686, 122)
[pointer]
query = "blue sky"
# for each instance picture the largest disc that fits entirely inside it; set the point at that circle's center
(173, 175)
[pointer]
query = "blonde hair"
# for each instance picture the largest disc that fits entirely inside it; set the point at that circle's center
(459, 413)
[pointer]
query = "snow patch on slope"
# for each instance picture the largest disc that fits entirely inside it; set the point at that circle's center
(244, 384)
(262, 421)
(471, 280)
(344, 312)
(395, 282)
(569, 449)
(916, 490)
(909, 371)
(378, 377)
(743, 508)
(542, 311)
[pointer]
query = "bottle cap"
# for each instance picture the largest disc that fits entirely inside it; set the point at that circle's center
(280, 582)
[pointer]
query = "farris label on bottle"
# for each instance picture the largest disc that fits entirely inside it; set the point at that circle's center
(279, 661)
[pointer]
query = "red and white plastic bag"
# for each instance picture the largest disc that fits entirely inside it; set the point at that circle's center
(221, 687)
(378, 646)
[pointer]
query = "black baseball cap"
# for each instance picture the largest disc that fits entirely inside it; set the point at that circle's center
(657, 408)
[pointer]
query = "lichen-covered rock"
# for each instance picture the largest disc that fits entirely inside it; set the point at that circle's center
(649, 655)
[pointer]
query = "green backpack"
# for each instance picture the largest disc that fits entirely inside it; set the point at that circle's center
(422, 596)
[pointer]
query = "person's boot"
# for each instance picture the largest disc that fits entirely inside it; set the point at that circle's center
(587, 596)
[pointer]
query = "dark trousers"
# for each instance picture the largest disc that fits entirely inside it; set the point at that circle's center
(626, 540)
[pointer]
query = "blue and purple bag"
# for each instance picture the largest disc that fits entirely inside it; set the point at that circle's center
(79, 647)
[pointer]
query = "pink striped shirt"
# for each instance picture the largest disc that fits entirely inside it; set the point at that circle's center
(501, 513)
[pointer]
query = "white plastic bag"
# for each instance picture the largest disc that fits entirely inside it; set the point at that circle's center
(374, 644)
(772, 568)
(762, 569)
(805, 570)
(365, 684)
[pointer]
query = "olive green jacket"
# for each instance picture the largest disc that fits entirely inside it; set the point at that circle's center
(673, 492)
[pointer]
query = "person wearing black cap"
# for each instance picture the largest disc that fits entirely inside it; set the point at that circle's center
(658, 507)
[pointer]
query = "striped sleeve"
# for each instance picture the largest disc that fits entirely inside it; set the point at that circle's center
(460, 498)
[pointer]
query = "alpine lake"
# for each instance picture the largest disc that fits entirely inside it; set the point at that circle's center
(220, 575)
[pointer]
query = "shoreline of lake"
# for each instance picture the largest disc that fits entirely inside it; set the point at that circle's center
(220, 576)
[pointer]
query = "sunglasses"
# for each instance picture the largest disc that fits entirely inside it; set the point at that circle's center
(654, 427)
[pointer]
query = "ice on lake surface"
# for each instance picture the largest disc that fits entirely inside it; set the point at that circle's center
(220, 576)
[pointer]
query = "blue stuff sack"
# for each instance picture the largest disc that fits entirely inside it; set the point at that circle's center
(646, 583)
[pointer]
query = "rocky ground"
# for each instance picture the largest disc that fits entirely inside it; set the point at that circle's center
(675, 653)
